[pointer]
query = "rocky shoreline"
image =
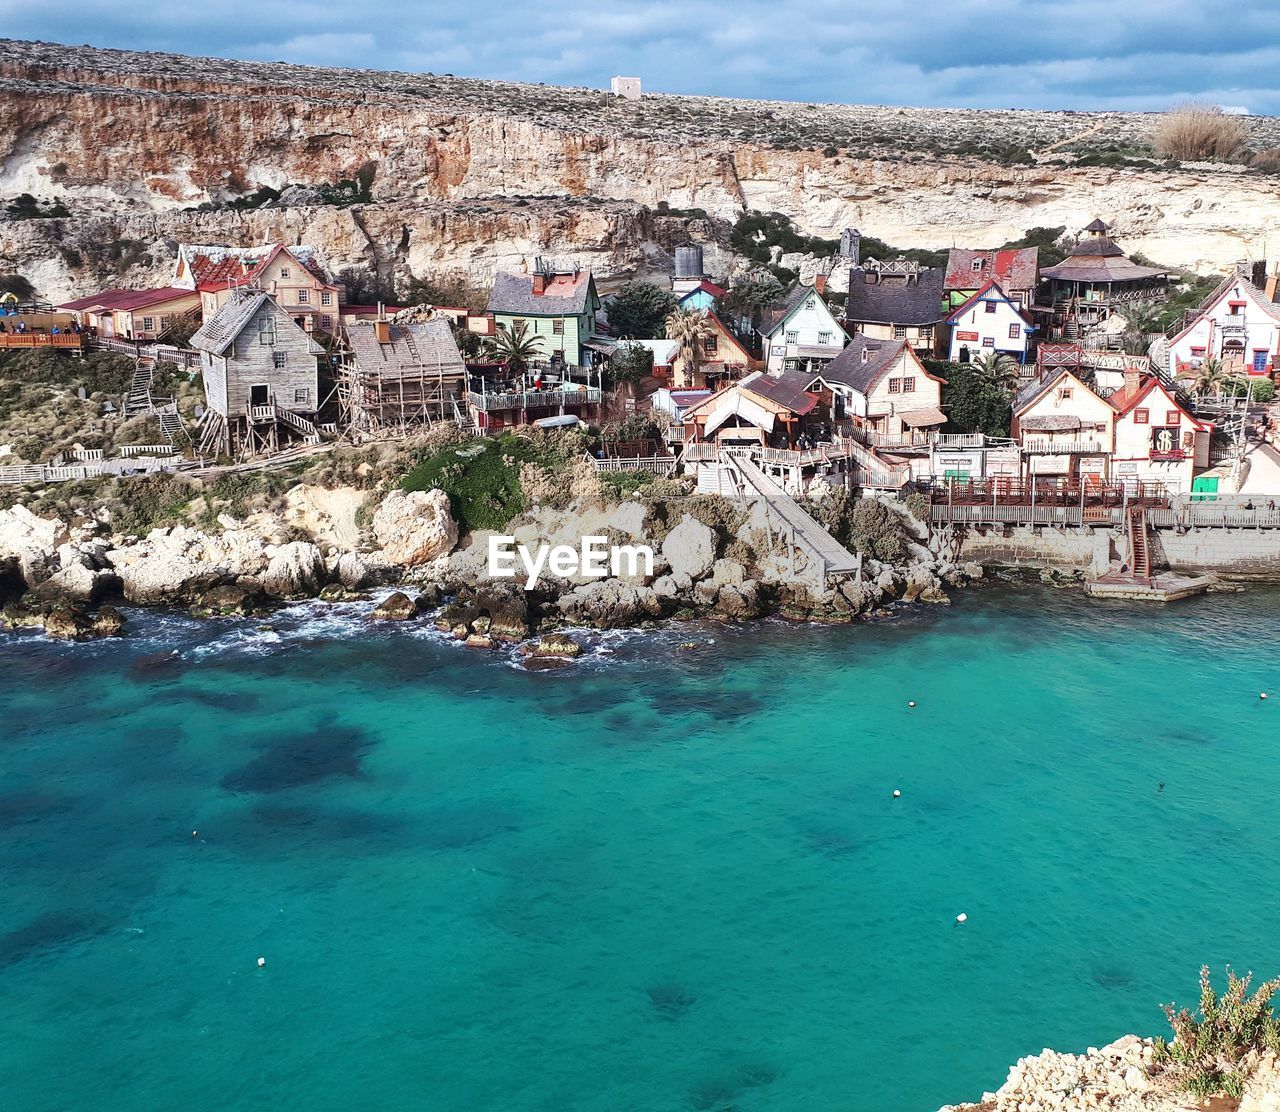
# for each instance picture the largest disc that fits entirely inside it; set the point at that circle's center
(713, 559)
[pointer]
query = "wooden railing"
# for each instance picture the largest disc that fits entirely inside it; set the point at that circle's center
(534, 399)
(659, 465)
(128, 451)
(39, 340)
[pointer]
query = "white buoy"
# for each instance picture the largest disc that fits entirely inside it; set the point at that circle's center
(912, 703)
(897, 794)
(962, 918)
(195, 833)
(1262, 695)
(262, 962)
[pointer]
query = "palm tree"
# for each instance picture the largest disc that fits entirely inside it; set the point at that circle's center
(691, 330)
(515, 346)
(999, 368)
(1209, 378)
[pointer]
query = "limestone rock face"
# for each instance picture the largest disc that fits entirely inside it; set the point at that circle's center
(415, 528)
(295, 569)
(690, 548)
(155, 577)
(32, 541)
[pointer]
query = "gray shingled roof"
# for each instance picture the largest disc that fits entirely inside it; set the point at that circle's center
(1035, 389)
(788, 389)
(513, 293)
(917, 303)
(219, 332)
(849, 369)
(775, 317)
(428, 344)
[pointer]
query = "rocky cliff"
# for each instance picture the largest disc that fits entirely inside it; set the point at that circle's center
(464, 173)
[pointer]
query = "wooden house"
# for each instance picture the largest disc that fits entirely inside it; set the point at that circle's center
(1237, 324)
(1015, 269)
(141, 315)
(802, 334)
(702, 296)
(724, 359)
(882, 386)
(295, 276)
(989, 321)
(897, 301)
(261, 377)
(401, 375)
(557, 307)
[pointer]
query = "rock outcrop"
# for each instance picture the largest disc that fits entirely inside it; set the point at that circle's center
(415, 528)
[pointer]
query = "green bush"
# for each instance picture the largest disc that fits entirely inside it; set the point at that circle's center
(972, 402)
(1208, 1054)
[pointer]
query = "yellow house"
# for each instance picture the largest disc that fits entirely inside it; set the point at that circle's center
(132, 314)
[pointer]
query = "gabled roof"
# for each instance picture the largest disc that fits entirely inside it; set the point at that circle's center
(1034, 390)
(915, 303)
(788, 390)
(218, 268)
(984, 295)
(863, 362)
(219, 332)
(422, 344)
(1125, 400)
(776, 318)
(126, 299)
(566, 295)
(1015, 268)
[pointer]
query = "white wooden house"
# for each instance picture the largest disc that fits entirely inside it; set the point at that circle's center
(1237, 324)
(802, 335)
(882, 386)
(989, 321)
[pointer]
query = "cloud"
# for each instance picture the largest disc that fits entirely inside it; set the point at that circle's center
(1083, 54)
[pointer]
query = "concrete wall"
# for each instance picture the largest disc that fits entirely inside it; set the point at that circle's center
(1236, 552)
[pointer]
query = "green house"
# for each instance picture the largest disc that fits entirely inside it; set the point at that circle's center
(557, 307)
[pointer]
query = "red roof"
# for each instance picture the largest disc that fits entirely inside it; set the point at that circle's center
(980, 296)
(1126, 399)
(238, 268)
(127, 299)
(705, 286)
(1013, 268)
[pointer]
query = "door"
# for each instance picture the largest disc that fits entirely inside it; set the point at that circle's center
(259, 395)
(1204, 488)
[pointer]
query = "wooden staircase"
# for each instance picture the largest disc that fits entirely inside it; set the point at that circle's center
(138, 400)
(1139, 544)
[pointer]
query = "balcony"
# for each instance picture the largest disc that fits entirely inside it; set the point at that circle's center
(1047, 446)
(1174, 455)
(535, 399)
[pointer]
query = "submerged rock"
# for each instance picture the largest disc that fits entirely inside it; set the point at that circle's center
(230, 600)
(558, 646)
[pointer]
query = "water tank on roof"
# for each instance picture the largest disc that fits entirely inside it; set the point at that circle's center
(689, 261)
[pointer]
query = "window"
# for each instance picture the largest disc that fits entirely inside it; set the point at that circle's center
(284, 272)
(557, 328)
(1173, 417)
(326, 322)
(278, 360)
(908, 385)
(518, 323)
(1064, 395)
(988, 341)
(926, 332)
(304, 296)
(1142, 416)
(326, 297)
(977, 265)
(792, 337)
(1236, 308)
(991, 306)
(824, 337)
(1015, 332)
(302, 395)
(266, 332)
(895, 386)
(711, 345)
(1197, 351)
(899, 331)
(148, 324)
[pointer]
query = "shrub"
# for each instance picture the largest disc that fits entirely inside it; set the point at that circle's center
(1212, 1054)
(1196, 131)
(638, 309)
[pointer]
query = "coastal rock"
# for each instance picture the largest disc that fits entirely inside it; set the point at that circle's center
(498, 613)
(32, 541)
(690, 548)
(610, 604)
(162, 577)
(554, 646)
(397, 607)
(415, 528)
(295, 569)
(75, 583)
(230, 600)
(351, 571)
(107, 622)
(741, 603)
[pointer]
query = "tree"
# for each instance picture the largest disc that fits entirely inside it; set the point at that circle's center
(1209, 378)
(515, 346)
(630, 363)
(973, 403)
(638, 309)
(997, 368)
(749, 298)
(691, 330)
(452, 289)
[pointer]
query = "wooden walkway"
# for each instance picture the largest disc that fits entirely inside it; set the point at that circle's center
(825, 553)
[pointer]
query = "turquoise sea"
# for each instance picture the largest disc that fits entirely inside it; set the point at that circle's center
(662, 880)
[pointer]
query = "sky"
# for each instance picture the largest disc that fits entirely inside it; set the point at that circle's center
(1057, 54)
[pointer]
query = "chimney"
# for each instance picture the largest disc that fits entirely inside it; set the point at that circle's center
(382, 326)
(1132, 379)
(820, 283)
(539, 283)
(1273, 283)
